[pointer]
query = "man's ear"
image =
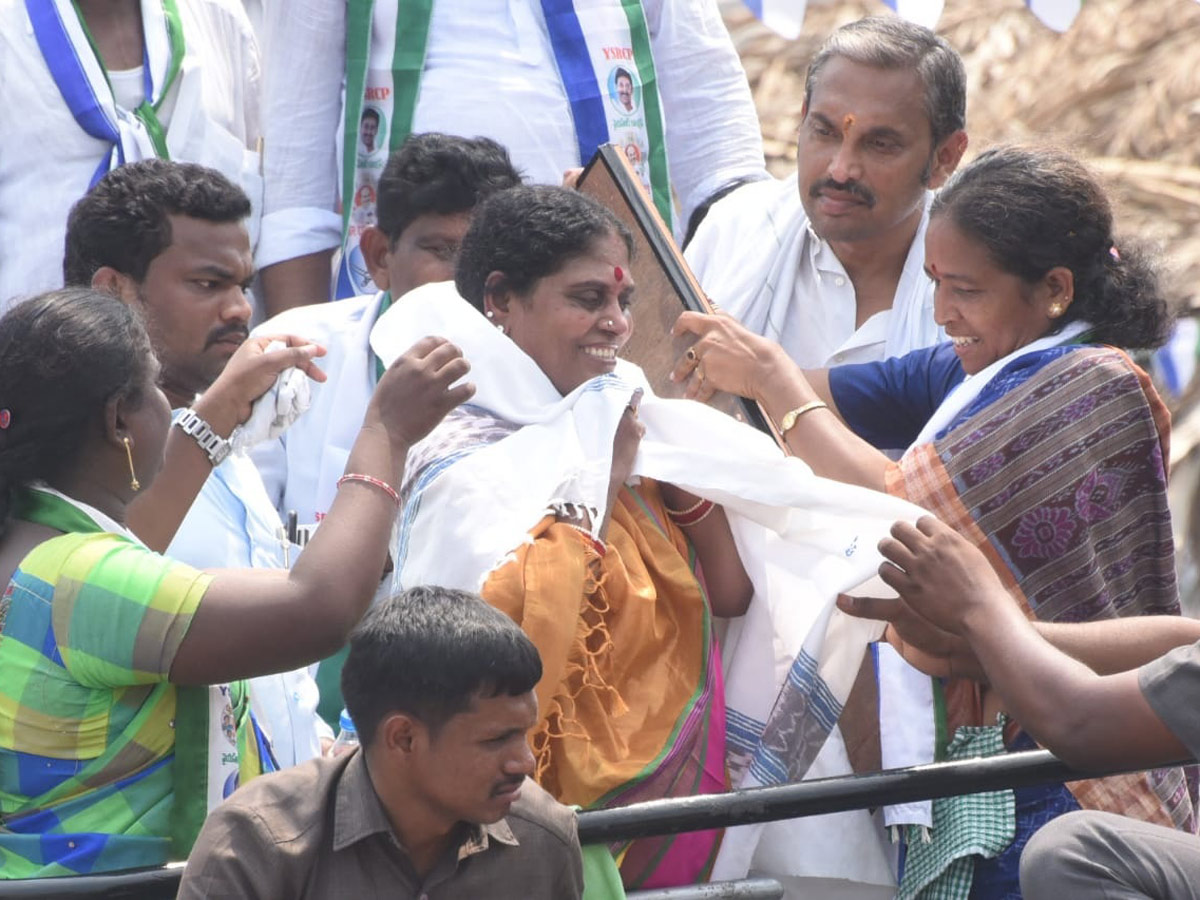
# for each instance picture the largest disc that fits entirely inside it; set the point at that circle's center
(375, 248)
(120, 285)
(946, 158)
(400, 732)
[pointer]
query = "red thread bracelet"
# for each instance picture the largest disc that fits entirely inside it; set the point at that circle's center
(674, 513)
(369, 479)
(694, 515)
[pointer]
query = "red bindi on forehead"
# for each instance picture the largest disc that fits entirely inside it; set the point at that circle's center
(618, 273)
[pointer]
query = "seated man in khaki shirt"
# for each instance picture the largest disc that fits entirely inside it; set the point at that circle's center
(437, 802)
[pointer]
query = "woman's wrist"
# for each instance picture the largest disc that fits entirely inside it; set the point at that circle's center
(775, 374)
(219, 414)
(789, 390)
(377, 430)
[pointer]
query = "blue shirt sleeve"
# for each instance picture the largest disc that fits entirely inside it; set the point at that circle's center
(887, 403)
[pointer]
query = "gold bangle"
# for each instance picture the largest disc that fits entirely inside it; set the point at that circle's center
(790, 417)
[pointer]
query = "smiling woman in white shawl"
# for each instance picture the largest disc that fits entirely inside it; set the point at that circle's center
(611, 533)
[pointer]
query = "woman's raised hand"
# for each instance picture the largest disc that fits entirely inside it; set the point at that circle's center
(415, 392)
(725, 357)
(625, 445)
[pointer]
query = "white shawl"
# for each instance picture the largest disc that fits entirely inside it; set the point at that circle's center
(802, 539)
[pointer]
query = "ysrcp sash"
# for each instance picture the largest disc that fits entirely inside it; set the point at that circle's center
(74, 63)
(602, 51)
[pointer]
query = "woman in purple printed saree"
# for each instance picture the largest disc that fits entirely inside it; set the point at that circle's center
(1050, 455)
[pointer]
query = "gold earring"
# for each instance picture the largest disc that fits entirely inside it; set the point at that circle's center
(133, 482)
(1056, 310)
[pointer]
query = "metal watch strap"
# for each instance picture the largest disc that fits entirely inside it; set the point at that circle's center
(201, 432)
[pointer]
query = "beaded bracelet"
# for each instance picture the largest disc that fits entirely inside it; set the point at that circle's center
(370, 479)
(675, 513)
(695, 514)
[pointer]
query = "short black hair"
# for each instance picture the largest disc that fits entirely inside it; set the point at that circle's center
(122, 222)
(63, 356)
(892, 43)
(622, 73)
(429, 652)
(528, 233)
(440, 174)
(369, 113)
(1036, 208)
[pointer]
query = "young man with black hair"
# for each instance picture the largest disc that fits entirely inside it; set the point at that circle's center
(427, 194)
(437, 802)
(170, 239)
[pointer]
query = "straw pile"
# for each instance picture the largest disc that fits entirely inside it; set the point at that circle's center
(1121, 89)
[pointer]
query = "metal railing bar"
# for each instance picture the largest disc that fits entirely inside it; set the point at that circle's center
(746, 889)
(829, 795)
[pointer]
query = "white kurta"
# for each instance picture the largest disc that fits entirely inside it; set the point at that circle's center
(490, 71)
(757, 258)
(211, 113)
(232, 524)
(301, 467)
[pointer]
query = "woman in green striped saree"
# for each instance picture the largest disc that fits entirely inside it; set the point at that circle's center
(122, 714)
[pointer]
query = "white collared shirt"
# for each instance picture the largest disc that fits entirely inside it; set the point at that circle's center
(490, 70)
(232, 524)
(757, 256)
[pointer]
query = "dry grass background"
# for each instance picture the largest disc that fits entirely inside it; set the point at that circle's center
(1121, 88)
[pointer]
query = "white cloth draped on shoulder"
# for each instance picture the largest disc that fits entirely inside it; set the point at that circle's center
(789, 662)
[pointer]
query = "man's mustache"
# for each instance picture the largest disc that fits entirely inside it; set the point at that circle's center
(846, 187)
(225, 332)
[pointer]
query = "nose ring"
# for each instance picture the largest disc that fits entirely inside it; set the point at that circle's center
(609, 323)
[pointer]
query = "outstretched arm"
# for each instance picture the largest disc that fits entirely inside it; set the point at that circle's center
(257, 621)
(1088, 719)
(728, 357)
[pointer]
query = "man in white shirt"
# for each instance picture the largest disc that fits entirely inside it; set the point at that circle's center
(86, 85)
(830, 262)
(169, 238)
(427, 194)
(489, 69)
